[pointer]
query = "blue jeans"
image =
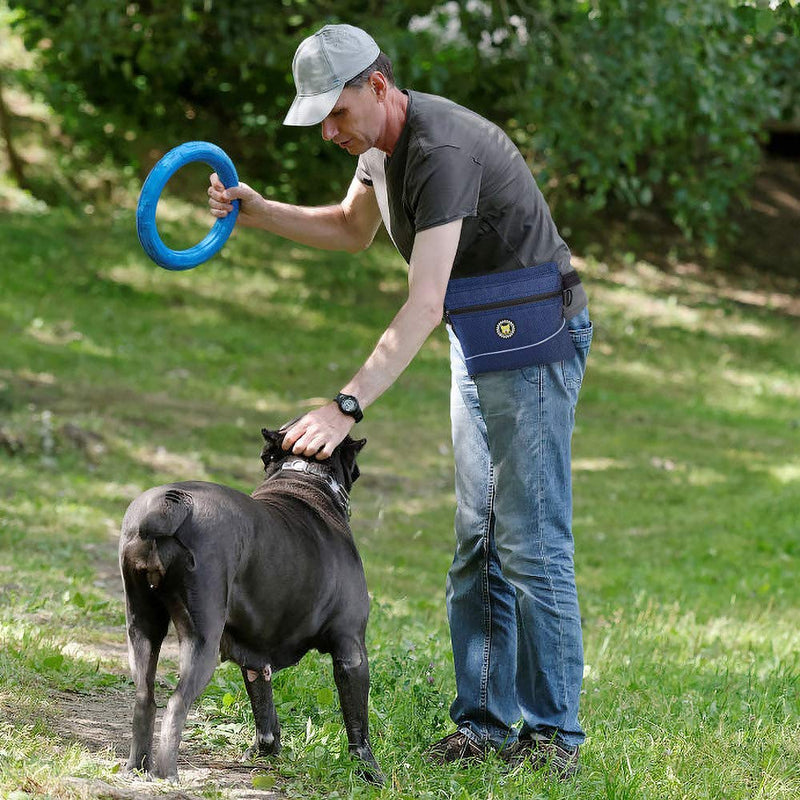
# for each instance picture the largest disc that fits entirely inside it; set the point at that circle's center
(512, 602)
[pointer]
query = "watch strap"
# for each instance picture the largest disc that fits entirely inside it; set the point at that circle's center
(349, 405)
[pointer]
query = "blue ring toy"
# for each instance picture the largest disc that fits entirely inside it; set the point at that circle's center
(178, 157)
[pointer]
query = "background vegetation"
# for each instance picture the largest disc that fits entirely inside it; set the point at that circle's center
(615, 104)
(116, 375)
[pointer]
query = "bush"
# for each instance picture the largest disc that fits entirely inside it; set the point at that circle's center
(615, 104)
(627, 104)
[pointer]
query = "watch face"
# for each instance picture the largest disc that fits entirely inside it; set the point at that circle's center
(348, 404)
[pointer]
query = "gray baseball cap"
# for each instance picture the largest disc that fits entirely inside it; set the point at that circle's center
(322, 65)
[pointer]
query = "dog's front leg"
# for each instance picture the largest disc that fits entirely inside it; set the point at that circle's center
(268, 729)
(351, 673)
(198, 659)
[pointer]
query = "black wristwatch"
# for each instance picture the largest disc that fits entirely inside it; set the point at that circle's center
(349, 405)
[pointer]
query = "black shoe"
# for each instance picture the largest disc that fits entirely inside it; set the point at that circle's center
(458, 746)
(551, 754)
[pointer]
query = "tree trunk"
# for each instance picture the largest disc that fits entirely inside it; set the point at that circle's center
(15, 163)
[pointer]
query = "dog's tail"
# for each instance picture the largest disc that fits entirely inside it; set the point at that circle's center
(152, 540)
(166, 514)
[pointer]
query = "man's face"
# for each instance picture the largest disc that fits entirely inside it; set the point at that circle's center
(355, 121)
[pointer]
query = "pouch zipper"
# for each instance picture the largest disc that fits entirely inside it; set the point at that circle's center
(505, 304)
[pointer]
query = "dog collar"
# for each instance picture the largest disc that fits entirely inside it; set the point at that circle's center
(319, 471)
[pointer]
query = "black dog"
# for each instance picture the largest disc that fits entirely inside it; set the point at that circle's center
(261, 579)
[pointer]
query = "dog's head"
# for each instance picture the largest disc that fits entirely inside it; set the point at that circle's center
(342, 463)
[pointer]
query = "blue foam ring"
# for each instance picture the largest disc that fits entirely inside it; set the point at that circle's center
(166, 167)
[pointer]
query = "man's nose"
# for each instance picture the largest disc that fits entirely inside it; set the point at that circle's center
(328, 129)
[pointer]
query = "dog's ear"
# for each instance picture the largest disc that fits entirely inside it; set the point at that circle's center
(349, 449)
(271, 436)
(357, 445)
(272, 444)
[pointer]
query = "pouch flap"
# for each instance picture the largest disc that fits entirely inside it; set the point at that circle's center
(497, 287)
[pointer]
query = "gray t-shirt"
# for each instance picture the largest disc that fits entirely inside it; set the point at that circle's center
(450, 163)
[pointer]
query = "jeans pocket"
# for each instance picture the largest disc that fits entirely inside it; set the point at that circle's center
(575, 367)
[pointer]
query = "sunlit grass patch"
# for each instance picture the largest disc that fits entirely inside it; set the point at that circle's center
(33, 766)
(695, 719)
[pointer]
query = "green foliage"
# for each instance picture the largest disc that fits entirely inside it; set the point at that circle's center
(777, 39)
(624, 105)
(132, 80)
(666, 107)
(616, 104)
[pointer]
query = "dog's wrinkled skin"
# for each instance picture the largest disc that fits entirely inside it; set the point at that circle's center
(261, 579)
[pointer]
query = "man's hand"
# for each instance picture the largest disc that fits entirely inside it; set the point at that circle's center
(318, 432)
(220, 201)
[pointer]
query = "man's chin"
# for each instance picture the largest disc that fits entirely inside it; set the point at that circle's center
(355, 148)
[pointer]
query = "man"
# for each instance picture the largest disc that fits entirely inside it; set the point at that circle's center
(458, 200)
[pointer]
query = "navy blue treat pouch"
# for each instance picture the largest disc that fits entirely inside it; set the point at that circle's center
(509, 320)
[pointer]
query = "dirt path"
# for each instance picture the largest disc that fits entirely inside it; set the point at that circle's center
(102, 724)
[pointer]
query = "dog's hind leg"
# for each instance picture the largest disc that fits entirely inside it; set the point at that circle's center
(351, 673)
(147, 626)
(198, 659)
(268, 729)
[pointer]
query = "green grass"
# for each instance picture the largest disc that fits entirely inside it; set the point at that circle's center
(116, 375)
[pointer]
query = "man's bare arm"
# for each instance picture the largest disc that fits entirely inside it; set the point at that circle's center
(350, 225)
(318, 432)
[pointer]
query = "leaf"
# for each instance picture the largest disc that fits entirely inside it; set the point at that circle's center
(228, 700)
(54, 662)
(265, 782)
(325, 697)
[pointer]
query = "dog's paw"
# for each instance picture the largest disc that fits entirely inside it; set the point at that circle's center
(140, 767)
(371, 773)
(251, 754)
(262, 749)
(367, 767)
(168, 774)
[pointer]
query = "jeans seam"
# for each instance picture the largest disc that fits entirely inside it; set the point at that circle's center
(562, 677)
(487, 605)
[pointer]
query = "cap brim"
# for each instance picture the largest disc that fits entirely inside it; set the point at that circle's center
(312, 109)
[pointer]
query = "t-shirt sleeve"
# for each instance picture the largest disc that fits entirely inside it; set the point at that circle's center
(444, 187)
(362, 170)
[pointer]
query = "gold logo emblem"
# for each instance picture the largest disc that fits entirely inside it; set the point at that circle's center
(505, 329)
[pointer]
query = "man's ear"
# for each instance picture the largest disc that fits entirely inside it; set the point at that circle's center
(379, 85)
